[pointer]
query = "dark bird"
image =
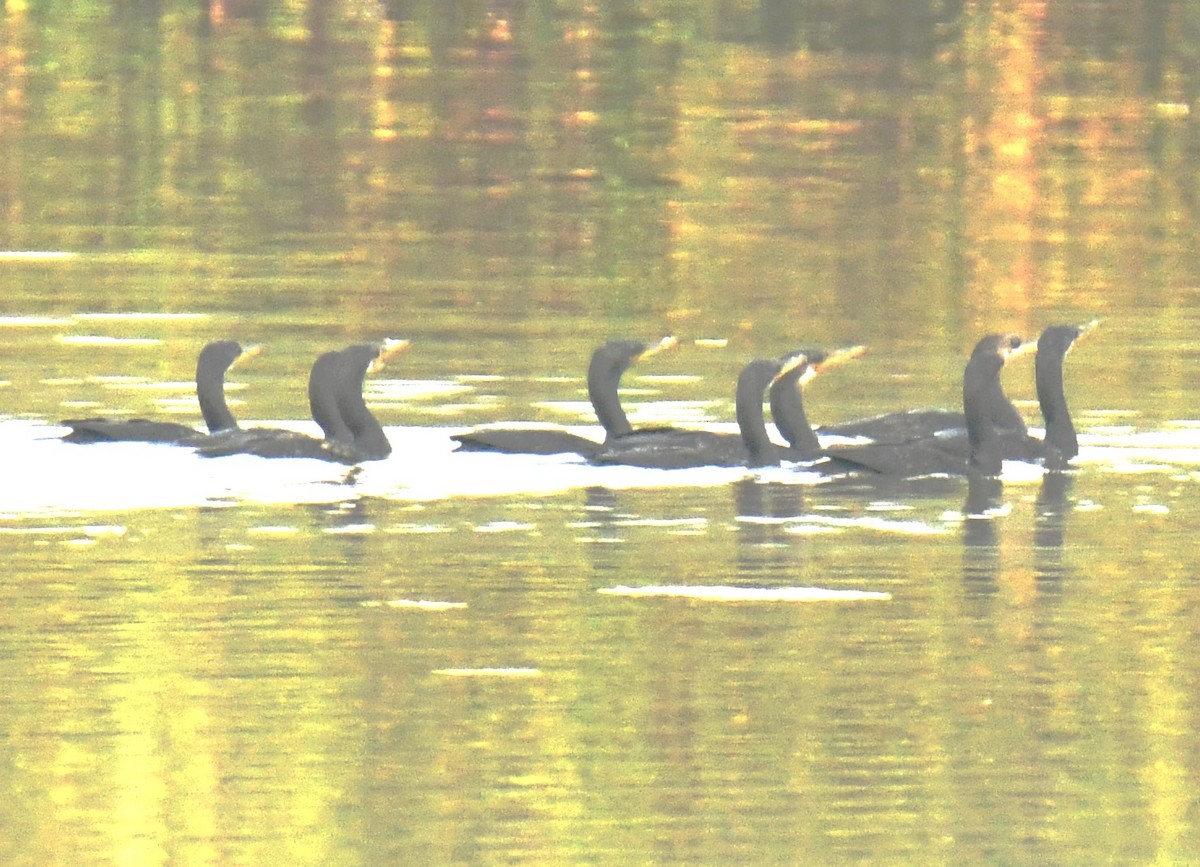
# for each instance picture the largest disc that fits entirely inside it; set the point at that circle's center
(906, 425)
(608, 364)
(787, 401)
(680, 449)
(928, 455)
(368, 442)
(699, 448)
(351, 432)
(1059, 443)
(215, 360)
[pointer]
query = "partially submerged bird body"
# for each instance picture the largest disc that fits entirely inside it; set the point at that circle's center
(1059, 444)
(898, 427)
(682, 449)
(928, 455)
(608, 363)
(351, 432)
(914, 424)
(214, 361)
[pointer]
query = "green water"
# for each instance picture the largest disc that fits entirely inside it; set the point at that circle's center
(236, 665)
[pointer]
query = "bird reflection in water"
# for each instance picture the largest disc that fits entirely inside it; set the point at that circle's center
(981, 550)
(600, 518)
(764, 545)
(1049, 532)
(981, 553)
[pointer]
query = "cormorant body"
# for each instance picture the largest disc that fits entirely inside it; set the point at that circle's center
(215, 359)
(608, 363)
(351, 432)
(680, 449)
(926, 456)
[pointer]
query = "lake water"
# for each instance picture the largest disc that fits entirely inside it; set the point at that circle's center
(473, 658)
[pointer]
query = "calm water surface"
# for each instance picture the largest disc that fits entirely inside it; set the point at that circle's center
(464, 658)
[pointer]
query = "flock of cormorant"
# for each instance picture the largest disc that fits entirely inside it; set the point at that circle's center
(988, 431)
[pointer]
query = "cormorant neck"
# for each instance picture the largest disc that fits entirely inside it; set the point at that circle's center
(370, 442)
(981, 375)
(322, 399)
(787, 411)
(603, 380)
(1060, 440)
(748, 401)
(210, 392)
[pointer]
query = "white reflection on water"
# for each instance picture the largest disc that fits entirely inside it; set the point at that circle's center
(808, 524)
(415, 604)
(49, 477)
(140, 316)
(105, 340)
(37, 255)
(379, 391)
(905, 528)
(92, 532)
(504, 527)
(32, 321)
(658, 412)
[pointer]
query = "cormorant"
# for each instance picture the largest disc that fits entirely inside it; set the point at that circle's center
(679, 449)
(1059, 443)
(351, 433)
(787, 401)
(215, 359)
(607, 365)
(368, 442)
(928, 455)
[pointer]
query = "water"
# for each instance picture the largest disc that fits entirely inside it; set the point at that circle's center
(450, 657)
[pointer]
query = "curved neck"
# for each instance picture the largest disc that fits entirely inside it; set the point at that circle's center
(1060, 430)
(980, 379)
(787, 411)
(210, 392)
(603, 380)
(370, 442)
(322, 399)
(748, 402)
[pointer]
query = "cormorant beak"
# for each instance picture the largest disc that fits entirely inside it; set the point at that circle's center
(248, 352)
(668, 342)
(840, 356)
(1084, 329)
(389, 348)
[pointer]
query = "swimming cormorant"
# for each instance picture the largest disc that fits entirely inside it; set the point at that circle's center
(679, 449)
(1059, 443)
(607, 365)
(215, 360)
(928, 456)
(351, 433)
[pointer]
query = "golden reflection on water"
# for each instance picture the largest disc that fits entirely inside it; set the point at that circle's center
(418, 661)
(208, 684)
